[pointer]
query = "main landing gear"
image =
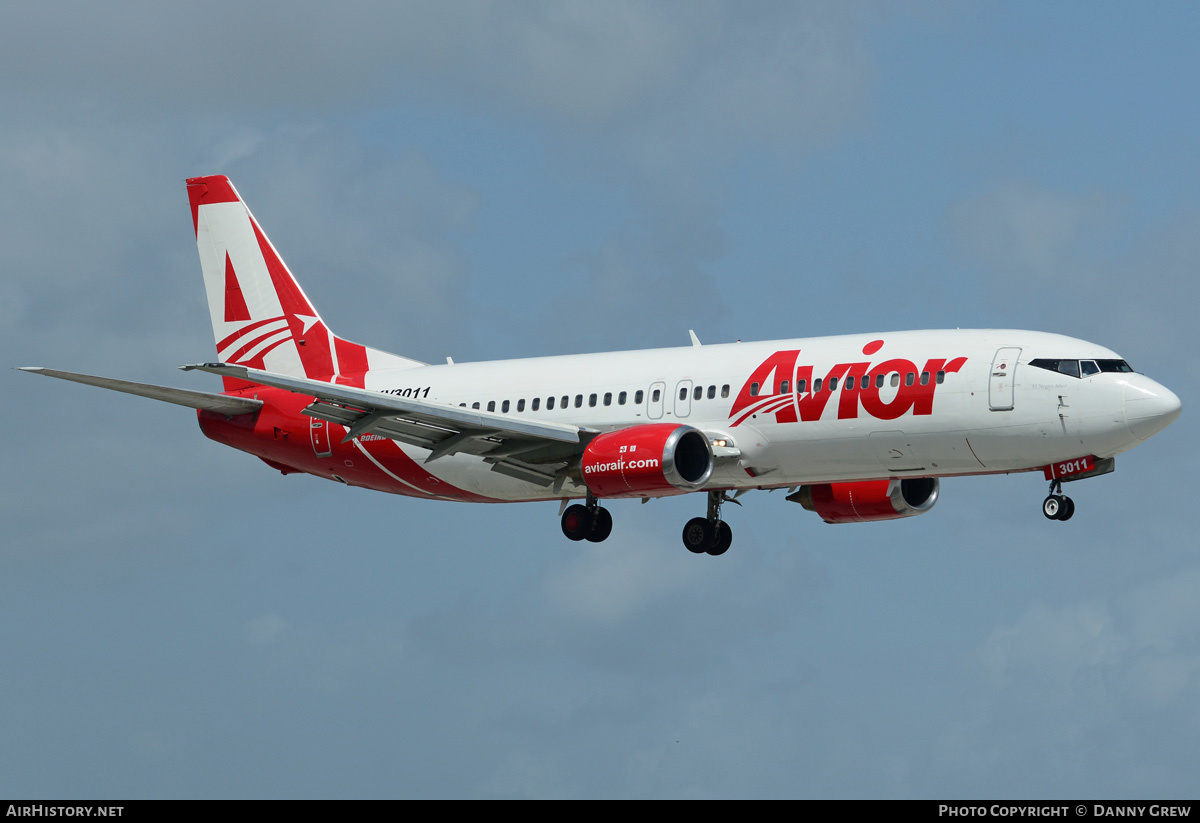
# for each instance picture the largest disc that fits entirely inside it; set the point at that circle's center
(709, 535)
(702, 535)
(1058, 506)
(588, 522)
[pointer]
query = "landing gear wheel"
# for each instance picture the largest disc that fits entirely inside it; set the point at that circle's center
(724, 539)
(1052, 506)
(1068, 509)
(698, 535)
(601, 526)
(577, 522)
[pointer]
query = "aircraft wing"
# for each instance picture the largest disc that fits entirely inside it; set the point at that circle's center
(532, 450)
(210, 401)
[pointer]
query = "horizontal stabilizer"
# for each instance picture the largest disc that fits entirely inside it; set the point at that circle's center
(209, 401)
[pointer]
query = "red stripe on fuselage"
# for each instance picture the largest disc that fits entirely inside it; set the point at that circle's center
(397, 461)
(280, 433)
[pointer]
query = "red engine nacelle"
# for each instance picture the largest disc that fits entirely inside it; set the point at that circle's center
(869, 500)
(651, 460)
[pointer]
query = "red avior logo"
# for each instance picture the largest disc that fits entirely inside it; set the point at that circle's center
(885, 390)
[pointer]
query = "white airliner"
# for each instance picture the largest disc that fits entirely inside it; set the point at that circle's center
(857, 427)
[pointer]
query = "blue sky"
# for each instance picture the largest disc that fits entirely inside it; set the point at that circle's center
(489, 180)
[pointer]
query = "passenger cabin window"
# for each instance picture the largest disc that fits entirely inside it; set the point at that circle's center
(801, 386)
(712, 392)
(941, 377)
(657, 394)
(608, 398)
(591, 401)
(637, 398)
(504, 407)
(896, 378)
(475, 405)
(698, 392)
(521, 405)
(491, 405)
(621, 399)
(817, 384)
(850, 381)
(784, 385)
(579, 401)
(833, 384)
(754, 390)
(537, 401)
(879, 381)
(683, 394)
(564, 403)
(924, 378)
(909, 379)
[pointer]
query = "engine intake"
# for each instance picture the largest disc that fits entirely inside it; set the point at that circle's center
(869, 500)
(654, 459)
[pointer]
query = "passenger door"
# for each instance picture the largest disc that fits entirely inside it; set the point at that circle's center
(1000, 383)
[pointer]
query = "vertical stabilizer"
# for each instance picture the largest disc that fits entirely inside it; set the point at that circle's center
(261, 317)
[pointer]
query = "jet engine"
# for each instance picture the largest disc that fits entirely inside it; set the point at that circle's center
(651, 460)
(869, 500)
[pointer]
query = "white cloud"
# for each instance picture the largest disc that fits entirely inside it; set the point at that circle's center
(608, 583)
(1057, 646)
(1140, 649)
(772, 74)
(1024, 234)
(264, 630)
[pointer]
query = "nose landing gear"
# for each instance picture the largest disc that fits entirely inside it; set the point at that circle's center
(1058, 506)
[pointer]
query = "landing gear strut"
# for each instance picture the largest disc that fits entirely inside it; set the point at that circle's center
(589, 522)
(1058, 506)
(709, 535)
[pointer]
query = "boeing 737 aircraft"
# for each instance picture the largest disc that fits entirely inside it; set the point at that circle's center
(857, 427)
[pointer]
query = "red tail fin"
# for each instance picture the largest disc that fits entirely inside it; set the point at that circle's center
(260, 315)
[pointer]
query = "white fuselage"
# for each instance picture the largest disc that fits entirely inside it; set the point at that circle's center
(994, 412)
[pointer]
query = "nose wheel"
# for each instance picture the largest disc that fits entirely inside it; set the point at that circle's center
(1057, 506)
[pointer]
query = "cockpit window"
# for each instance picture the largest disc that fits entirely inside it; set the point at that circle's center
(1081, 368)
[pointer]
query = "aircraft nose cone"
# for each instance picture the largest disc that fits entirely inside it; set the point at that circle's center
(1149, 407)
